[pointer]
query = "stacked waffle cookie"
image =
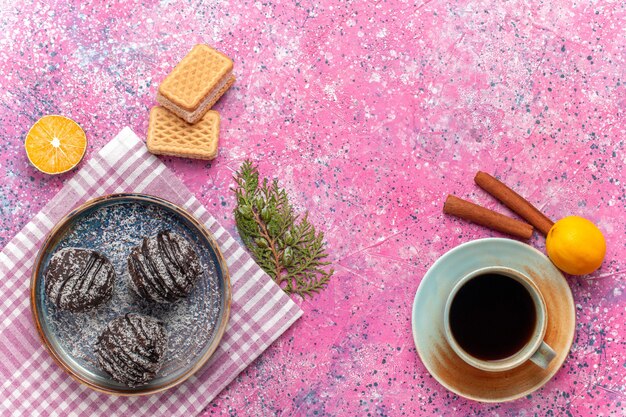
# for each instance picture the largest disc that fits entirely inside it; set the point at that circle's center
(183, 125)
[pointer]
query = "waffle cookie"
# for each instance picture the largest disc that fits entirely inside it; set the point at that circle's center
(196, 83)
(170, 135)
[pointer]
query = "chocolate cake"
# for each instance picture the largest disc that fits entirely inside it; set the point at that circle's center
(132, 348)
(164, 268)
(79, 279)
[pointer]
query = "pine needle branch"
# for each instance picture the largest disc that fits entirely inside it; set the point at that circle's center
(284, 244)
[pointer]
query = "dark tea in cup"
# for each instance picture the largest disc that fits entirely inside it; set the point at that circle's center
(495, 319)
(492, 316)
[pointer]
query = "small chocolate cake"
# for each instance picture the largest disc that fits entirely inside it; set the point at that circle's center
(164, 268)
(79, 279)
(132, 348)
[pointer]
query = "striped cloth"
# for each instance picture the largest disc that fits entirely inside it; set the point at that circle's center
(31, 382)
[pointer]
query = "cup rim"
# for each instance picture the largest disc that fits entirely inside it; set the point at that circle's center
(529, 348)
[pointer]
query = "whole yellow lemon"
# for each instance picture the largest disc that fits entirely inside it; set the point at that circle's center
(575, 245)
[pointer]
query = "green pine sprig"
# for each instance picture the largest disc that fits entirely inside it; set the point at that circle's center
(284, 244)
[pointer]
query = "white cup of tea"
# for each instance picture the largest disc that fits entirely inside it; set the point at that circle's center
(495, 320)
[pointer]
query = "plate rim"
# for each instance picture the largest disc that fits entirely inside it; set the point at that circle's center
(50, 239)
(414, 311)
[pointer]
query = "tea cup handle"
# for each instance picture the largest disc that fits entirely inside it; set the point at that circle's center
(543, 356)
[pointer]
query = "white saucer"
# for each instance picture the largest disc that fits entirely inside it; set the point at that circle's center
(428, 311)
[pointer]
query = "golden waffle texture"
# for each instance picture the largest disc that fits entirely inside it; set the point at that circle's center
(169, 135)
(198, 80)
(194, 116)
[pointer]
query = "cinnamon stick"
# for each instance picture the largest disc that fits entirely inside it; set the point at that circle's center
(514, 201)
(485, 217)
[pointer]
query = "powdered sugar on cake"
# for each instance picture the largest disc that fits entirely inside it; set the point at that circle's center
(164, 267)
(79, 279)
(132, 348)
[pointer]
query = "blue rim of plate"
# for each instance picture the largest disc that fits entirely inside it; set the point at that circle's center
(65, 361)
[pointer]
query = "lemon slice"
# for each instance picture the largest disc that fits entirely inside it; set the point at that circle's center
(55, 144)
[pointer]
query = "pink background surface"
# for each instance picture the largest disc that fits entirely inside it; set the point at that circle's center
(369, 113)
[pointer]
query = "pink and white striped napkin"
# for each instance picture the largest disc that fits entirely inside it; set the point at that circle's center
(31, 382)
